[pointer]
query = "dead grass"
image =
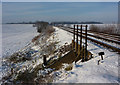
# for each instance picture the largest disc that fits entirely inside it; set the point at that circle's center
(27, 76)
(49, 30)
(51, 47)
(62, 50)
(36, 38)
(68, 68)
(68, 58)
(46, 32)
(18, 57)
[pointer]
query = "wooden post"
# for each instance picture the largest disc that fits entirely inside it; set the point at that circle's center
(74, 36)
(79, 49)
(86, 43)
(44, 60)
(73, 44)
(77, 40)
(81, 38)
(83, 53)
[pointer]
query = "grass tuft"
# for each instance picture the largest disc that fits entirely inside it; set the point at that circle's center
(68, 68)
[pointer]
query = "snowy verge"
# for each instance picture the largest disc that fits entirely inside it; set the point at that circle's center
(90, 71)
(86, 72)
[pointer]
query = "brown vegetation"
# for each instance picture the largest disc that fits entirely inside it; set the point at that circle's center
(41, 25)
(46, 32)
(36, 38)
(18, 57)
(68, 68)
(50, 30)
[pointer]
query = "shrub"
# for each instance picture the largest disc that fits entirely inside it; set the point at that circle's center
(50, 30)
(41, 25)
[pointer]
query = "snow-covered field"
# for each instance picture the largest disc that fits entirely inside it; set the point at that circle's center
(16, 36)
(90, 71)
(82, 72)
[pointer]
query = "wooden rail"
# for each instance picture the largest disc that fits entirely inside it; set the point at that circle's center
(80, 49)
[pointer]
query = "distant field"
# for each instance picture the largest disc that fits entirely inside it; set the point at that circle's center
(16, 36)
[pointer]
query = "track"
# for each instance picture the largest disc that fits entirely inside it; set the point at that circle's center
(103, 36)
(115, 37)
(96, 41)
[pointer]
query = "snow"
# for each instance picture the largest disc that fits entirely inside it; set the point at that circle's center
(90, 71)
(102, 25)
(106, 42)
(82, 72)
(16, 36)
(63, 36)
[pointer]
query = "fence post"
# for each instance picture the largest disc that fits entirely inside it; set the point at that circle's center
(74, 36)
(44, 60)
(83, 53)
(86, 54)
(81, 38)
(77, 40)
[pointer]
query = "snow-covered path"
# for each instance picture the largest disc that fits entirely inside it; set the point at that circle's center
(16, 36)
(63, 36)
(90, 71)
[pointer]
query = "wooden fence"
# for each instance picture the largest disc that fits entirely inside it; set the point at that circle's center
(77, 42)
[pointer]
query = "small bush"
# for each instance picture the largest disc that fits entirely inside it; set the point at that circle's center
(41, 25)
(13, 58)
(18, 57)
(44, 27)
(50, 30)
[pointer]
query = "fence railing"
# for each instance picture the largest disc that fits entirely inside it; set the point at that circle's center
(78, 45)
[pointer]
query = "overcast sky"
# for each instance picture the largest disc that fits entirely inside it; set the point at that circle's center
(60, 0)
(106, 12)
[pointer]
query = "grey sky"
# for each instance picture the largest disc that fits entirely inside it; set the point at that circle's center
(55, 11)
(60, 0)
